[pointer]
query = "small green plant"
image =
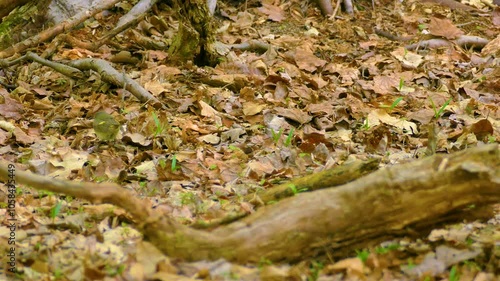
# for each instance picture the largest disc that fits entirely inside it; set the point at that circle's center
(58, 274)
(365, 125)
(401, 82)
(233, 148)
(188, 198)
(454, 275)
(263, 262)
(160, 128)
(315, 269)
(162, 162)
(174, 163)
(491, 139)
(363, 254)
(276, 135)
(422, 26)
(54, 211)
(212, 167)
(393, 105)
(112, 271)
(439, 113)
(410, 264)
(61, 81)
(288, 140)
(387, 249)
(294, 189)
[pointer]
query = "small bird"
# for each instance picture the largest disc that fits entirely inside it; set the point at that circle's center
(105, 126)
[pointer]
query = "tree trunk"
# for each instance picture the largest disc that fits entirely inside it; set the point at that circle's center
(195, 38)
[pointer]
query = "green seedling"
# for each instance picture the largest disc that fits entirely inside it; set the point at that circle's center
(439, 113)
(187, 198)
(363, 255)
(288, 140)
(233, 148)
(401, 81)
(58, 274)
(393, 105)
(159, 126)
(491, 139)
(294, 189)
(387, 249)
(316, 267)
(163, 163)
(54, 211)
(212, 167)
(174, 163)
(365, 125)
(454, 275)
(276, 135)
(111, 271)
(61, 82)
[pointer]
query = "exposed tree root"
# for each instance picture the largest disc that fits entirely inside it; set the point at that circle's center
(382, 204)
(464, 41)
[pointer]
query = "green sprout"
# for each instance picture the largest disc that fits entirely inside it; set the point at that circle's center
(454, 275)
(174, 163)
(394, 104)
(363, 255)
(276, 135)
(159, 126)
(316, 267)
(288, 140)
(294, 189)
(54, 211)
(439, 113)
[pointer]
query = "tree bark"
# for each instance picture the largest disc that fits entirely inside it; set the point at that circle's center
(386, 203)
(195, 38)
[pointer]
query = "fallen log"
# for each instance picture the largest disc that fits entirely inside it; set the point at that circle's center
(386, 203)
(347, 217)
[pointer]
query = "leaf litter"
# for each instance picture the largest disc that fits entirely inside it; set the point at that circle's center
(323, 94)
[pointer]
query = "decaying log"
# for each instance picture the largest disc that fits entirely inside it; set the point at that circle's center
(340, 219)
(329, 178)
(345, 217)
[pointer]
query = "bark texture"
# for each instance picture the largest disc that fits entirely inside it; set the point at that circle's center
(195, 38)
(341, 219)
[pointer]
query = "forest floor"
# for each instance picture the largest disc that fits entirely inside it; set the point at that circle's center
(329, 91)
